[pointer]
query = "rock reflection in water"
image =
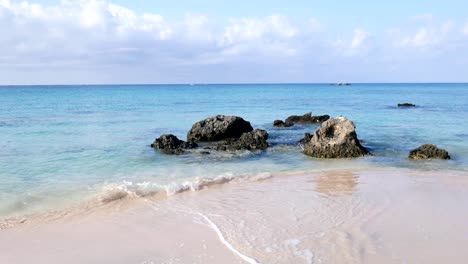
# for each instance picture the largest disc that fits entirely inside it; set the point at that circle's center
(336, 183)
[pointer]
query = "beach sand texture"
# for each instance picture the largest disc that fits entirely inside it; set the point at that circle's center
(373, 216)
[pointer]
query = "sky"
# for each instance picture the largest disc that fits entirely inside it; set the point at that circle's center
(207, 41)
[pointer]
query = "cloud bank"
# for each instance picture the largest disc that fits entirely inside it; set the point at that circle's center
(93, 41)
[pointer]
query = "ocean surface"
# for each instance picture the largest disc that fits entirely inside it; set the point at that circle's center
(60, 145)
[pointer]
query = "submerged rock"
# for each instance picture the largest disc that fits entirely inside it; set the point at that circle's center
(335, 138)
(280, 123)
(217, 128)
(428, 151)
(170, 144)
(255, 140)
(308, 118)
(406, 105)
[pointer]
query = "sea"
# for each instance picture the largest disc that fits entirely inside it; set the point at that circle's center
(62, 145)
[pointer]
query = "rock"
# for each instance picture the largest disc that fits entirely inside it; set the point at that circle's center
(307, 137)
(217, 128)
(255, 140)
(428, 151)
(280, 123)
(335, 138)
(406, 105)
(170, 144)
(307, 119)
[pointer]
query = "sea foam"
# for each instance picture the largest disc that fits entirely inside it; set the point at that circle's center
(128, 189)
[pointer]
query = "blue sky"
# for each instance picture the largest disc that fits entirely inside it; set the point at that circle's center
(371, 11)
(128, 41)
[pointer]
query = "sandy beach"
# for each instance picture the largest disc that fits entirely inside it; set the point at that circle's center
(376, 216)
(215, 132)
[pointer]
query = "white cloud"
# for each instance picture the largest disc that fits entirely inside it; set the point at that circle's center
(253, 37)
(358, 44)
(198, 28)
(251, 30)
(92, 14)
(75, 31)
(424, 37)
(359, 38)
(420, 39)
(99, 37)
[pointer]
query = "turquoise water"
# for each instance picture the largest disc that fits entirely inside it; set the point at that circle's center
(61, 144)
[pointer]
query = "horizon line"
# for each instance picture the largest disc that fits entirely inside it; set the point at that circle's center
(246, 83)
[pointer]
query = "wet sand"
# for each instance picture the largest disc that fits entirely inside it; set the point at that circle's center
(373, 216)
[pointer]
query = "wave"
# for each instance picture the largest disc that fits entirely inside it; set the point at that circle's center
(128, 189)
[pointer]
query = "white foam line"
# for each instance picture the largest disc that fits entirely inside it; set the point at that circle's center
(223, 240)
(218, 232)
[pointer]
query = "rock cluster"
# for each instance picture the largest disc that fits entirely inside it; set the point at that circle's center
(335, 138)
(428, 151)
(225, 133)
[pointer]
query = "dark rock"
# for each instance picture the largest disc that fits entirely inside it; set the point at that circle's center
(428, 151)
(217, 128)
(307, 119)
(170, 144)
(335, 138)
(255, 140)
(406, 105)
(280, 123)
(307, 137)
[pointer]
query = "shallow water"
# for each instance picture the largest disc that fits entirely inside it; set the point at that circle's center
(60, 144)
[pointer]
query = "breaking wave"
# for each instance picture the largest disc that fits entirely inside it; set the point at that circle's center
(128, 189)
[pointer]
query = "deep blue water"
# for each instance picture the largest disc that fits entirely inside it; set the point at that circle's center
(59, 144)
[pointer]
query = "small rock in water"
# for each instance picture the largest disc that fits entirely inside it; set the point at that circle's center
(170, 144)
(308, 118)
(340, 84)
(280, 123)
(428, 151)
(335, 138)
(406, 105)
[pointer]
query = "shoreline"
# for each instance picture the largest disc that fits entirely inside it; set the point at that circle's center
(123, 196)
(358, 216)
